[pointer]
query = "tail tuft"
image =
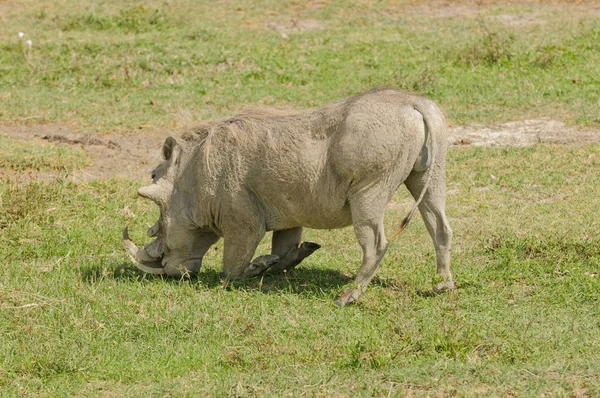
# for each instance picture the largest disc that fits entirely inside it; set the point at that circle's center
(402, 226)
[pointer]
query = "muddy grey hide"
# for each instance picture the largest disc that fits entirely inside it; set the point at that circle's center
(330, 167)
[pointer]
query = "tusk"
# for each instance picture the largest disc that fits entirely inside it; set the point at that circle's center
(153, 230)
(139, 254)
(140, 258)
(155, 268)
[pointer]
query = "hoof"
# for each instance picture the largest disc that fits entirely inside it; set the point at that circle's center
(308, 248)
(295, 255)
(260, 265)
(348, 297)
(444, 286)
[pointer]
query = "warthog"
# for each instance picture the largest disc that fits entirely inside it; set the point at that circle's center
(331, 167)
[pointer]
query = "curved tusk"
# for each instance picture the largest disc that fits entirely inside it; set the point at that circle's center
(140, 258)
(136, 252)
(153, 230)
(154, 269)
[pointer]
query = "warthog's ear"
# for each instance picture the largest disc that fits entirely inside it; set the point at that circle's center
(171, 149)
(160, 189)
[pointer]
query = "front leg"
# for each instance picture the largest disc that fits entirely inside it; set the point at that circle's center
(241, 241)
(187, 248)
(286, 245)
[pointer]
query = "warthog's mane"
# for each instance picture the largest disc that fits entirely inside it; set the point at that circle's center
(253, 129)
(251, 121)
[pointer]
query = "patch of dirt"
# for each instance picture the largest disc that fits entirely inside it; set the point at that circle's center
(522, 133)
(85, 140)
(111, 155)
(470, 8)
(5, 8)
(134, 155)
(518, 21)
(295, 25)
(443, 9)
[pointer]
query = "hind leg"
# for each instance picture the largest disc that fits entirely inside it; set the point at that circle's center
(367, 217)
(286, 245)
(433, 211)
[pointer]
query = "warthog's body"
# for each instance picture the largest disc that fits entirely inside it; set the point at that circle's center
(331, 167)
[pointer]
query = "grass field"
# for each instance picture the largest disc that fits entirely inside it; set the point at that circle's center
(77, 319)
(113, 65)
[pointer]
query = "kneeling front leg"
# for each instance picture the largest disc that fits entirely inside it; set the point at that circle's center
(286, 245)
(238, 250)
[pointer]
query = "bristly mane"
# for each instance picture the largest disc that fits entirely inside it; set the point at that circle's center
(202, 131)
(245, 131)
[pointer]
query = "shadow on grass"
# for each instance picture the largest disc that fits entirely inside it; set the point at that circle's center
(427, 293)
(302, 280)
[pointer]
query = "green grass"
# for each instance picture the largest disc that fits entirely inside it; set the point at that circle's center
(78, 319)
(119, 66)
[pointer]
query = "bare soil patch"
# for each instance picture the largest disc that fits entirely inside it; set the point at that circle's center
(544, 9)
(522, 133)
(5, 8)
(295, 25)
(134, 155)
(112, 155)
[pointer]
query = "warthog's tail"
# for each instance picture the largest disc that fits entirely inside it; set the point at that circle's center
(424, 161)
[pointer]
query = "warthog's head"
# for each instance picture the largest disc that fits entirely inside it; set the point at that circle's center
(179, 244)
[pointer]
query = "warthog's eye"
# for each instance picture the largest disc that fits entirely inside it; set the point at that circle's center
(153, 174)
